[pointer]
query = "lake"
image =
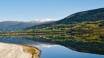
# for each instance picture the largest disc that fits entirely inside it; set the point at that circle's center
(52, 50)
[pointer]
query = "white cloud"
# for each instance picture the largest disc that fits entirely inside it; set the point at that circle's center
(32, 20)
(45, 20)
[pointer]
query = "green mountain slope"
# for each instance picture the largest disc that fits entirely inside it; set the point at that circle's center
(90, 15)
(82, 31)
(86, 26)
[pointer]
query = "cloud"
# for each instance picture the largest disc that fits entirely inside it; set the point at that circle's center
(30, 20)
(45, 20)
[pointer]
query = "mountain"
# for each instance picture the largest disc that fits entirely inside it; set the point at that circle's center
(82, 31)
(89, 15)
(14, 25)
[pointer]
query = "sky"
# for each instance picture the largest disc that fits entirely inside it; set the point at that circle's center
(44, 10)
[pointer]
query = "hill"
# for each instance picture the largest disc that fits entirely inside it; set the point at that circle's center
(89, 15)
(86, 26)
(15, 25)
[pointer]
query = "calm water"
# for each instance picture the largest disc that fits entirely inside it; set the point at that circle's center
(50, 50)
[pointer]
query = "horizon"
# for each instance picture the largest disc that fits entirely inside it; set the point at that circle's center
(38, 10)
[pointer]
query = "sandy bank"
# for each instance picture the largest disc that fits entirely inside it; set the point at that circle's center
(18, 51)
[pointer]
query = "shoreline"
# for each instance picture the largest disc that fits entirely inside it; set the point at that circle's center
(9, 50)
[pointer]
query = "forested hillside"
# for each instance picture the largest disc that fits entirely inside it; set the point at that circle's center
(86, 26)
(84, 16)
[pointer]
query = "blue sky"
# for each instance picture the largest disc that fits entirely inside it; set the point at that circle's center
(44, 10)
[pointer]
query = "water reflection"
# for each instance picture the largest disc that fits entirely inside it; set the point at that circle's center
(87, 47)
(59, 49)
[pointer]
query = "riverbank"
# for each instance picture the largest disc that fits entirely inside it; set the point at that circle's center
(18, 51)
